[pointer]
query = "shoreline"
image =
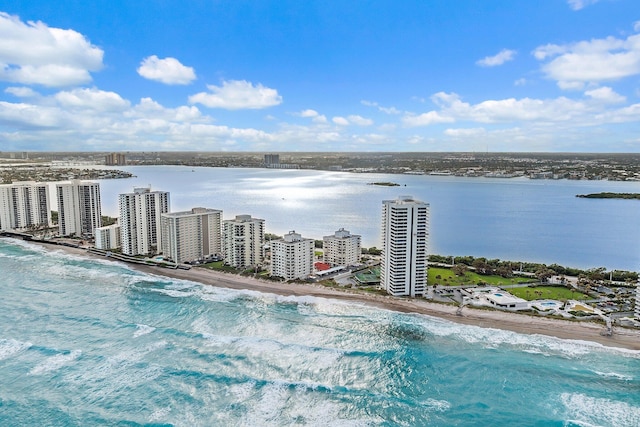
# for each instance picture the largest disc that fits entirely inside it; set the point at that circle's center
(625, 338)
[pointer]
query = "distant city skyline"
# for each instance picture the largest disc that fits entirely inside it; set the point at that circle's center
(286, 76)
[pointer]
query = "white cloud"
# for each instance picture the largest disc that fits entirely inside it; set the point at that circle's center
(386, 110)
(33, 53)
(359, 120)
(94, 99)
(580, 4)
(236, 95)
(636, 26)
(308, 113)
(464, 132)
(168, 70)
(426, 119)
(505, 55)
(352, 120)
(313, 114)
(605, 94)
(593, 61)
(340, 121)
(520, 82)
(22, 92)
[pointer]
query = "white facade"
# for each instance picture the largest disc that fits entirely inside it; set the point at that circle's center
(108, 237)
(243, 241)
(23, 205)
(140, 211)
(292, 257)
(405, 240)
(79, 211)
(638, 301)
(191, 235)
(343, 248)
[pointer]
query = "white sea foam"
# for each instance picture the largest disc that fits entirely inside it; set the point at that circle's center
(530, 343)
(588, 410)
(115, 373)
(278, 401)
(11, 347)
(437, 405)
(143, 330)
(56, 362)
(160, 414)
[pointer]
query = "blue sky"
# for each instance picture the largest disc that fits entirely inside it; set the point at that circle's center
(291, 75)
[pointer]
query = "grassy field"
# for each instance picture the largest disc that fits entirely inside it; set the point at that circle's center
(559, 293)
(219, 265)
(445, 277)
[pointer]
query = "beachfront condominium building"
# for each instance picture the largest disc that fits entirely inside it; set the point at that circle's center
(193, 235)
(140, 231)
(292, 257)
(24, 205)
(405, 240)
(638, 301)
(79, 211)
(243, 239)
(342, 249)
(107, 237)
(115, 159)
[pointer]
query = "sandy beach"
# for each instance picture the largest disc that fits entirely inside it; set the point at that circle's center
(522, 323)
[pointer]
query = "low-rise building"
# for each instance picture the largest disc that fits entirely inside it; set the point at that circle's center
(108, 237)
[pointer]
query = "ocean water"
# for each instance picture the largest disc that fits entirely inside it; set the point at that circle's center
(511, 219)
(91, 342)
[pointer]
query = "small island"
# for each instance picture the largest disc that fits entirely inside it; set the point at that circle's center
(385, 184)
(607, 195)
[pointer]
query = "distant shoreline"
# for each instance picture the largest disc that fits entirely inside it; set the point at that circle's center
(606, 195)
(521, 323)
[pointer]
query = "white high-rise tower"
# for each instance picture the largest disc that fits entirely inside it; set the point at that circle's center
(243, 241)
(140, 228)
(292, 257)
(23, 205)
(343, 248)
(79, 210)
(191, 235)
(405, 240)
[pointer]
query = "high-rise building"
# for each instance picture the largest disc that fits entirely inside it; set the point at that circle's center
(638, 301)
(115, 159)
(405, 240)
(108, 237)
(271, 160)
(292, 257)
(79, 211)
(191, 235)
(140, 231)
(23, 205)
(243, 241)
(343, 248)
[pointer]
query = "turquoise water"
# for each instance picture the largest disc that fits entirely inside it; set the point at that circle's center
(90, 342)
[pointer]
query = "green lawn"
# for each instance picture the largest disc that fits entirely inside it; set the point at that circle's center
(219, 265)
(559, 293)
(447, 278)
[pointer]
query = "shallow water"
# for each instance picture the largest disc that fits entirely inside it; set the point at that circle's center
(90, 342)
